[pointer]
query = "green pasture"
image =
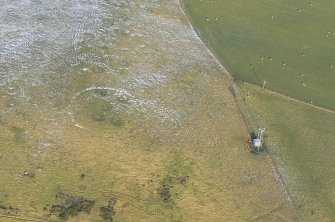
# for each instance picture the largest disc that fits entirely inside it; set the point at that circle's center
(289, 44)
(301, 140)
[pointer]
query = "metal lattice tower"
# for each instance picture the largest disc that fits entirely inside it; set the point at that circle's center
(258, 143)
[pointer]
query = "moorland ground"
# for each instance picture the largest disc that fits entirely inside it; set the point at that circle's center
(127, 118)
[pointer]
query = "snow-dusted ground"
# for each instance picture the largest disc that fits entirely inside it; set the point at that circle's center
(130, 46)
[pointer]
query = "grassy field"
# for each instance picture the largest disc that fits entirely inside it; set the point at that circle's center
(135, 168)
(142, 127)
(289, 44)
(300, 139)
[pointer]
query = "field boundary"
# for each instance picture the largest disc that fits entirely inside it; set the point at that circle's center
(245, 115)
(211, 53)
(249, 122)
(289, 98)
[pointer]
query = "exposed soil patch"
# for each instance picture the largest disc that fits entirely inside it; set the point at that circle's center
(71, 206)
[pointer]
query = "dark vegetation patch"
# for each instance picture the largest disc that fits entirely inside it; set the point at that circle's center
(107, 213)
(71, 206)
(117, 121)
(165, 189)
(98, 113)
(9, 210)
(167, 185)
(103, 112)
(19, 135)
(100, 109)
(175, 181)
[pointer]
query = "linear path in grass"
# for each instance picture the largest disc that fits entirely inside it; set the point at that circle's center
(297, 100)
